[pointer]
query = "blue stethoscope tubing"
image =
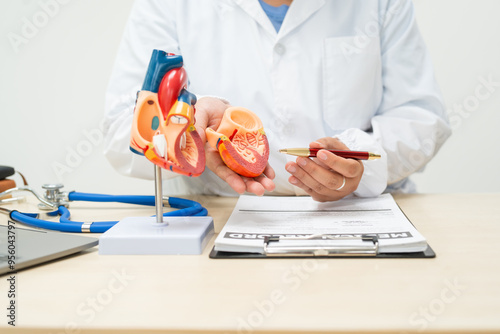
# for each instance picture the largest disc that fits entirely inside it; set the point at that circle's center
(186, 208)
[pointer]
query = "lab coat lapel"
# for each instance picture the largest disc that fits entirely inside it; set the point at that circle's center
(253, 8)
(299, 11)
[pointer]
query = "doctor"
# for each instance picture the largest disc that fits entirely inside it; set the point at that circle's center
(334, 74)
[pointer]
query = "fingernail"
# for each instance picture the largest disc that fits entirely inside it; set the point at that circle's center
(293, 180)
(318, 143)
(302, 162)
(291, 169)
(322, 155)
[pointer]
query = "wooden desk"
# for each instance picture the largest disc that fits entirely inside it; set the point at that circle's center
(458, 291)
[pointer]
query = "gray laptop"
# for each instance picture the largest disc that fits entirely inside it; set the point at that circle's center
(33, 247)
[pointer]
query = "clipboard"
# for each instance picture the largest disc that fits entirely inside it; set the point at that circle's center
(280, 227)
(272, 249)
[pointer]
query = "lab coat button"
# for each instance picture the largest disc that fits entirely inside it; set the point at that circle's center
(280, 49)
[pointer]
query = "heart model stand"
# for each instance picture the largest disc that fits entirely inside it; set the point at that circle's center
(157, 235)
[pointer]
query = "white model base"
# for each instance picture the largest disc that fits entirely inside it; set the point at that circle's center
(144, 236)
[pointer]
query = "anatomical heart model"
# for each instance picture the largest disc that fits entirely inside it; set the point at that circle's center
(163, 126)
(241, 142)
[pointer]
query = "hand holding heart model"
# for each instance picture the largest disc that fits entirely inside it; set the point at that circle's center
(163, 126)
(241, 142)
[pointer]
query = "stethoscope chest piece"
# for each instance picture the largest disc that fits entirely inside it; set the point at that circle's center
(53, 194)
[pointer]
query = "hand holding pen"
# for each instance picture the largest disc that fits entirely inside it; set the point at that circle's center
(329, 177)
(312, 153)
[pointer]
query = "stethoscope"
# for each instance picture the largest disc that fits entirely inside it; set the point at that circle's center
(54, 198)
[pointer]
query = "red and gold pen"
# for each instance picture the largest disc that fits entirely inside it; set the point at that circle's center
(311, 152)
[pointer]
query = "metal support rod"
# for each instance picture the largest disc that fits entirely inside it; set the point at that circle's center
(158, 195)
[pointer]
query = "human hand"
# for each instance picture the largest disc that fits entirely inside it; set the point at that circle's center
(209, 112)
(327, 177)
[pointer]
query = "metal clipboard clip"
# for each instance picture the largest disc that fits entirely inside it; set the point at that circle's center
(271, 249)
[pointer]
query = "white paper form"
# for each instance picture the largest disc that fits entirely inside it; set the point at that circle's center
(254, 217)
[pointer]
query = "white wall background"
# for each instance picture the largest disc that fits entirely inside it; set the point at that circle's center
(52, 89)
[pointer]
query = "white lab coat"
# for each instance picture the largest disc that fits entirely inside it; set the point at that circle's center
(357, 70)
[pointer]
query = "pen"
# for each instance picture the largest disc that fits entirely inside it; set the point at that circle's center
(311, 152)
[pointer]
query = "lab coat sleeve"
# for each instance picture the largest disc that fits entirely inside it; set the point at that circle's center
(410, 124)
(151, 25)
